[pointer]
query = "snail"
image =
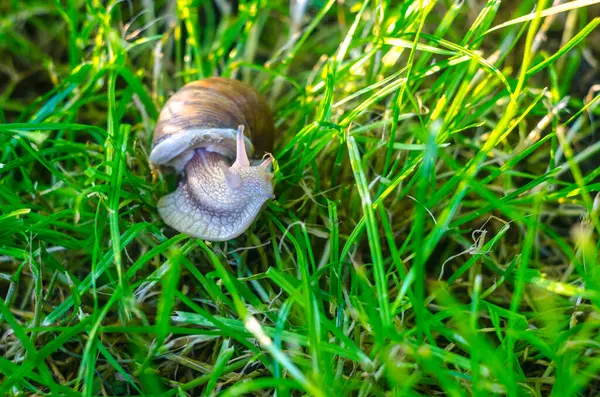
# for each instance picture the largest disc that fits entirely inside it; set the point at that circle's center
(206, 131)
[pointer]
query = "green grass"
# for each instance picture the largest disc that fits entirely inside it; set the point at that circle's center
(435, 232)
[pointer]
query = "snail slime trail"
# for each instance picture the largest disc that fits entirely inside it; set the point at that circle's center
(207, 132)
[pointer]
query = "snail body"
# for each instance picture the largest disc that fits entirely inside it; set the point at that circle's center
(207, 130)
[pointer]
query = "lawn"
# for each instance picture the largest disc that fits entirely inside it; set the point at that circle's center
(436, 225)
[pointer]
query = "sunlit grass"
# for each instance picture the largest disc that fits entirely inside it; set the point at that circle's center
(436, 223)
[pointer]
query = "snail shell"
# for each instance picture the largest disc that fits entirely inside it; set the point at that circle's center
(207, 113)
(206, 131)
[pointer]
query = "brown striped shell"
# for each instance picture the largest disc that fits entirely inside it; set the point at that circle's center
(206, 114)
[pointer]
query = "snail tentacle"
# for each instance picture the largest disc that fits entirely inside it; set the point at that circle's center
(241, 157)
